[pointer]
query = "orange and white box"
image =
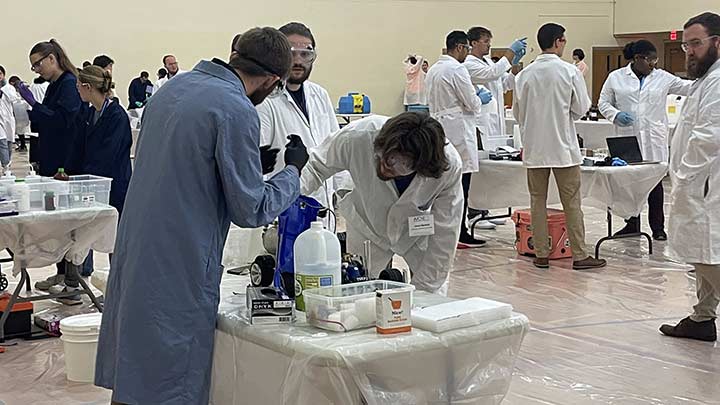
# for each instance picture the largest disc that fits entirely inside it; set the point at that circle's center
(393, 309)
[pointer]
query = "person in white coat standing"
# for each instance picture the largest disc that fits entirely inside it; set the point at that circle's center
(407, 198)
(550, 95)
(8, 97)
(633, 98)
(455, 102)
(695, 173)
(497, 79)
(303, 108)
(416, 67)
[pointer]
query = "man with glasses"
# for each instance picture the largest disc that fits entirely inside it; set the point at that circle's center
(695, 173)
(634, 99)
(198, 167)
(173, 69)
(455, 102)
(304, 108)
(550, 95)
(407, 198)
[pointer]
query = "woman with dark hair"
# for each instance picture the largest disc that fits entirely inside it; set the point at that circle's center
(579, 60)
(53, 118)
(634, 99)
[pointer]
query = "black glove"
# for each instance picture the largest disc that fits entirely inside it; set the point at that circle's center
(296, 152)
(268, 157)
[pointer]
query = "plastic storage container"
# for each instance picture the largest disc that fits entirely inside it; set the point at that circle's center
(79, 191)
(557, 232)
(317, 261)
(347, 307)
(80, 337)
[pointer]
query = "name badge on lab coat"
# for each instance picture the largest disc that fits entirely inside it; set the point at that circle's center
(421, 225)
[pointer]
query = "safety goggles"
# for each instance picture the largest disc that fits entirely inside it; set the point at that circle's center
(399, 165)
(35, 66)
(695, 43)
(305, 55)
(652, 61)
(280, 85)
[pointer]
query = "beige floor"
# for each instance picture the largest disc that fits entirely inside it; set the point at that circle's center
(594, 336)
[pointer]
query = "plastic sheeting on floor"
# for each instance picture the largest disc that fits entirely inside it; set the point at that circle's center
(302, 365)
(502, 184)
(42, 238)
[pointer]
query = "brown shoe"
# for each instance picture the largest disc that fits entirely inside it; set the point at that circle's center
(541, 262)
(589, 263)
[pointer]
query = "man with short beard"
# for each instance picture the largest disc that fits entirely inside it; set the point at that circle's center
(695, 173)
(304, 108)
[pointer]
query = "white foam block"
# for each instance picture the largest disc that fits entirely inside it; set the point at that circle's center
(460, 314)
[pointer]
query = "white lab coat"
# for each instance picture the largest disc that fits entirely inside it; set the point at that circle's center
(453, 102)
(694, 220)
(622, 92)
(496, 79)
(38, 90)
(550, 95)
(415, 82)
(7, 115)
(160, 82)
(280, 116)
(375, 211)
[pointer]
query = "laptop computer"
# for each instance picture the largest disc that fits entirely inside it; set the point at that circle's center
(626, 148)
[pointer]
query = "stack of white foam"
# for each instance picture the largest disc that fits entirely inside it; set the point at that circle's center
(460, 314)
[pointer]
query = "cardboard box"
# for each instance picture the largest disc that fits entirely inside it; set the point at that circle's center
(267, 305)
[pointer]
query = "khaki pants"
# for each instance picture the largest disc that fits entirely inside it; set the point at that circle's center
(568, 183)
(708, 292)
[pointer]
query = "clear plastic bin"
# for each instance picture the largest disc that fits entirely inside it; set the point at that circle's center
(79, 191)
(346, 307)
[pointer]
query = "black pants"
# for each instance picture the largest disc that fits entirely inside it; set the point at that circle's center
(71, 272)
(466, 190)
(656, 211)
(23, 145)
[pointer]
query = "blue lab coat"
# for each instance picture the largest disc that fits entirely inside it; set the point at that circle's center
(103, 149)
(197, 168)
(54, 121)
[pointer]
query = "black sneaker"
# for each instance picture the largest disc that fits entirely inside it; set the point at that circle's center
(689, 329)
(627, 230)
(660, 235)
(468, 242)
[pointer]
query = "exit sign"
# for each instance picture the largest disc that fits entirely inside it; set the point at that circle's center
(673, 35)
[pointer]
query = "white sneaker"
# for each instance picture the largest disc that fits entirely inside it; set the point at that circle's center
(49, 282)
(483, 224)
(499, 221)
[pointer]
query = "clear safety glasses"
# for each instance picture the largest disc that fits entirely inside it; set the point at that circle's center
(305, 55)
(695, 43)
(399, 165)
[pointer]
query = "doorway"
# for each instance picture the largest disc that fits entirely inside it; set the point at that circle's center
(605, 60)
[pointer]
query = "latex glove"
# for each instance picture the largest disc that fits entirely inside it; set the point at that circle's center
(519, 46)
(485, 95)
(26, 94)
(518, 56)
(296, 152)
(624, 119)
(268, 157)
(618, 162)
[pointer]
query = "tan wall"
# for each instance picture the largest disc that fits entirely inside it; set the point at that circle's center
(361, 43)
(658, 15)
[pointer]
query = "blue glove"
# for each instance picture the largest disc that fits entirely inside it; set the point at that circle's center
(518, 57)
(624, 119)
(25, 93)
(485, 95)
(519, 46)
(618, 162)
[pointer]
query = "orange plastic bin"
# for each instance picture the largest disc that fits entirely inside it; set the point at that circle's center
(557, 231)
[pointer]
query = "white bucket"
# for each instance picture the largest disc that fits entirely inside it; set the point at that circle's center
(80, 337)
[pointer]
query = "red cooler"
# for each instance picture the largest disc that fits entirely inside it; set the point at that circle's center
(557, 230)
